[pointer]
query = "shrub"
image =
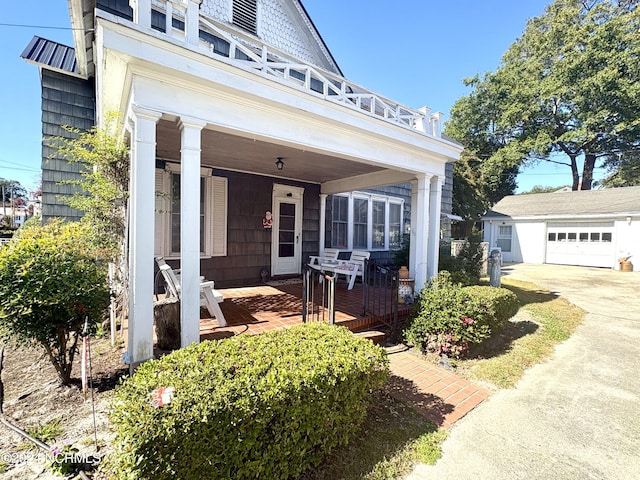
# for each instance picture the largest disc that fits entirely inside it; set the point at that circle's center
(446, 317)
(266, 406)
(465, 268)
(49, 282)
(495, 305)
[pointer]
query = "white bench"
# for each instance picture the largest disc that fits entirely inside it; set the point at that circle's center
(209, 297)
(352, 268)
(329, 255)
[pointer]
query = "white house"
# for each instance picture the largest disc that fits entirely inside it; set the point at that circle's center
(590, 228)
(238, 107)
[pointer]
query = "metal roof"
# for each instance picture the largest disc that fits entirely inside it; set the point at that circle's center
(53, 55)
(582, 202)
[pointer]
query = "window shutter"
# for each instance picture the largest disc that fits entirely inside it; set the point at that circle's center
(219, 217)
(160, 210)
(245, 14)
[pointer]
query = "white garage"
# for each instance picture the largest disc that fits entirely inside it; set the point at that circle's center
(592, 228)
(585, 243)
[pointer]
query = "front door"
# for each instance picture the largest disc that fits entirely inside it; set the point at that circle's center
(286, 240)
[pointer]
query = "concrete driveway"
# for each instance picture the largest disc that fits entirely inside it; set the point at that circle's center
(576, 416)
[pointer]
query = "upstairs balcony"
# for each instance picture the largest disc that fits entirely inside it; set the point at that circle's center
(184, 24)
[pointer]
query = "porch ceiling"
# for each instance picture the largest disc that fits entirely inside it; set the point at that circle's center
(234, 152)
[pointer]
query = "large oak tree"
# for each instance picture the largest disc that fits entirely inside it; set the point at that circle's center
(567, 91)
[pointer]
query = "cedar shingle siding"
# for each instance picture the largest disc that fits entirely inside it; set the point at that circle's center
(66, 100)
(248, 243)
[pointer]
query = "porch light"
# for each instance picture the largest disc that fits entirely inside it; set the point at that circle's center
(279, 163)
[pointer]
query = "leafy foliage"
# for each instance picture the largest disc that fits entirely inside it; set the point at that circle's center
(464, 268)
(623, 170)
(567, 89)
(542, 189)
(265, 406)
(105, 181)
(446, 318)
(50, 280)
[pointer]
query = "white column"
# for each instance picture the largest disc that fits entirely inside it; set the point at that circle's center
(435, 205)
(323, 222)
(192, 24)
(141, 233)
(190, 230)
(141, 12)
(419, 254)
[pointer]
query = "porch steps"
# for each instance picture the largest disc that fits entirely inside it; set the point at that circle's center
(376, 336)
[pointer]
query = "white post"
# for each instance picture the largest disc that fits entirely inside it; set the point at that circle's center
(435, 203)
(141, 12)
(323, 222)
(192, 24)
(190, 230)
(420, 230)
(142, 204)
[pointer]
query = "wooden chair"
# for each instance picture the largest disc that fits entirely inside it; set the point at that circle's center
(351, 268)
(209, 297)
(329, 255)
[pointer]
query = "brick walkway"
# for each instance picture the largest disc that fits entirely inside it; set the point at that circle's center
(437, 394)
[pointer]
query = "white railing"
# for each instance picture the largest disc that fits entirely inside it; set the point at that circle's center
(278, 65)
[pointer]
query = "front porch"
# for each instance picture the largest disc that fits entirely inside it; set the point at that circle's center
(258, 309)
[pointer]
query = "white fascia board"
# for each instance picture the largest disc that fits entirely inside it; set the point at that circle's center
(113, 81)
(192, 70)
(572, 218)
(78, 24)
(364, 182)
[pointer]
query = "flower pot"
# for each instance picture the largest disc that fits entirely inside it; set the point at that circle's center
(626, 266)
(403, 272)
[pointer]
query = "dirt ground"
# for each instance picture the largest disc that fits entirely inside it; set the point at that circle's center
(33, 398)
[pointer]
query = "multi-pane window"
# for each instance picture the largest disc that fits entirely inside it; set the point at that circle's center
(360, 222)
(365, 221)
(212, 208)
(395, 225)
(340, 221)
(504, 238)
(175, 214)
(378, 224)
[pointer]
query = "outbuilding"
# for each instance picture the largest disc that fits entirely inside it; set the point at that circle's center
(594, 228)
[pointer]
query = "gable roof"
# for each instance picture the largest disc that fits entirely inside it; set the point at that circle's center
(82, 22)
(51, 55)
(613, 201)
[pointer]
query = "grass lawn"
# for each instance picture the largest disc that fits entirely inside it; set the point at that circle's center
(543, 321)
(392, 440)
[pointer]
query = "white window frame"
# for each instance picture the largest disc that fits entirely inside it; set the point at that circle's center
(370, 198)
(215, 213)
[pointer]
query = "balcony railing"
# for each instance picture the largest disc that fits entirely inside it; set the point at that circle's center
(181, 20)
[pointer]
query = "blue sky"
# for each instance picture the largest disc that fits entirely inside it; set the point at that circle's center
(416, 53)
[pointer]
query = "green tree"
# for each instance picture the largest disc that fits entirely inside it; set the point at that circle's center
(623, 170)
(542, 189)
(104, 184)
(50, 281)
(568, 90)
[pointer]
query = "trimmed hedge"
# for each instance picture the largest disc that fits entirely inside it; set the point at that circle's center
(446, 317)
(265, 406)
(495, 306)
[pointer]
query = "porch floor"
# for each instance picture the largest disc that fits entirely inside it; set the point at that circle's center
(278, 305)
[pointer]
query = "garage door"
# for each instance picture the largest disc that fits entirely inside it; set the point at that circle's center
(586, 244)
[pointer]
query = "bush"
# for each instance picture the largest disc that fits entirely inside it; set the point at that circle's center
(466, 267)
(49, 282)
(265, 406)
(446, 317)
(495, 305)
